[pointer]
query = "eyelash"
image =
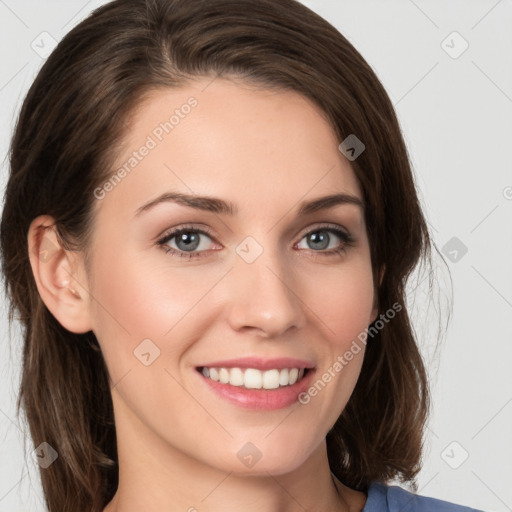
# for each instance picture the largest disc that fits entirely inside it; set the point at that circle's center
(346, 238)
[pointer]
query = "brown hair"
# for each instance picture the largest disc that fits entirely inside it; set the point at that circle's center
(72, 117)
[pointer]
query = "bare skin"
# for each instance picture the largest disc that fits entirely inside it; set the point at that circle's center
(266, 152)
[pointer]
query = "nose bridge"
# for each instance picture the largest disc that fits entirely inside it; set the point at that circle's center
(262, 292)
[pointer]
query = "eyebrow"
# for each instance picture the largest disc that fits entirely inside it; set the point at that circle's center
(216, 205)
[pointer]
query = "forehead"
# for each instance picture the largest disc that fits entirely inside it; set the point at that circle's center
(263, 149)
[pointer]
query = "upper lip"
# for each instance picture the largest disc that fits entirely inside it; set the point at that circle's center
(261, 363)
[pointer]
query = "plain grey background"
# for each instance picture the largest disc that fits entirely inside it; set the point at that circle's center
(447, 67)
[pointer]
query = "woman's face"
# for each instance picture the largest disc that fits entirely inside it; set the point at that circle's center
(287, 287)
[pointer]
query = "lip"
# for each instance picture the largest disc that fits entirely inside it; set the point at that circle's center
(259, 399)
(260, 363)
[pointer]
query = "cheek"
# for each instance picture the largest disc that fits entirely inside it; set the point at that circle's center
(344, 312)
(145, 318)
(342, 301)
(141, 298)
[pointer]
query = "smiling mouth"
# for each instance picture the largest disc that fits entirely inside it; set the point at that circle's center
(252, 378)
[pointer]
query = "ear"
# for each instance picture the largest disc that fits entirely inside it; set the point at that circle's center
(59, 275)
(375, 310)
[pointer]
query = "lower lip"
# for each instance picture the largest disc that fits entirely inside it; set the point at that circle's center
(260, 399)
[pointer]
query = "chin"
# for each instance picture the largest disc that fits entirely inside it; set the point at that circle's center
(258, 458)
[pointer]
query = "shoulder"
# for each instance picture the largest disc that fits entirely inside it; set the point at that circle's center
(384, 498)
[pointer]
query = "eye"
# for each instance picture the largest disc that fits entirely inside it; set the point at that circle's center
(188, 240)
(320, 239)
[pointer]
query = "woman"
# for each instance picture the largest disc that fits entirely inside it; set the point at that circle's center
(207, 232)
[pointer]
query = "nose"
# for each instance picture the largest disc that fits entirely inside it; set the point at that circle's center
(263, 298)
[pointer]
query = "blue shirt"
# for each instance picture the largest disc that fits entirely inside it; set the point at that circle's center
(383, 498)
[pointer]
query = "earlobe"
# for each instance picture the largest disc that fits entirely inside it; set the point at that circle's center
(59, 276)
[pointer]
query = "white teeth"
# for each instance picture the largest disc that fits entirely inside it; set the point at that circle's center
(271, 379)
(236, 377)
(223, 375)
(252, 378)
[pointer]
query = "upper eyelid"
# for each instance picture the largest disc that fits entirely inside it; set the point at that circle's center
(170, 233)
